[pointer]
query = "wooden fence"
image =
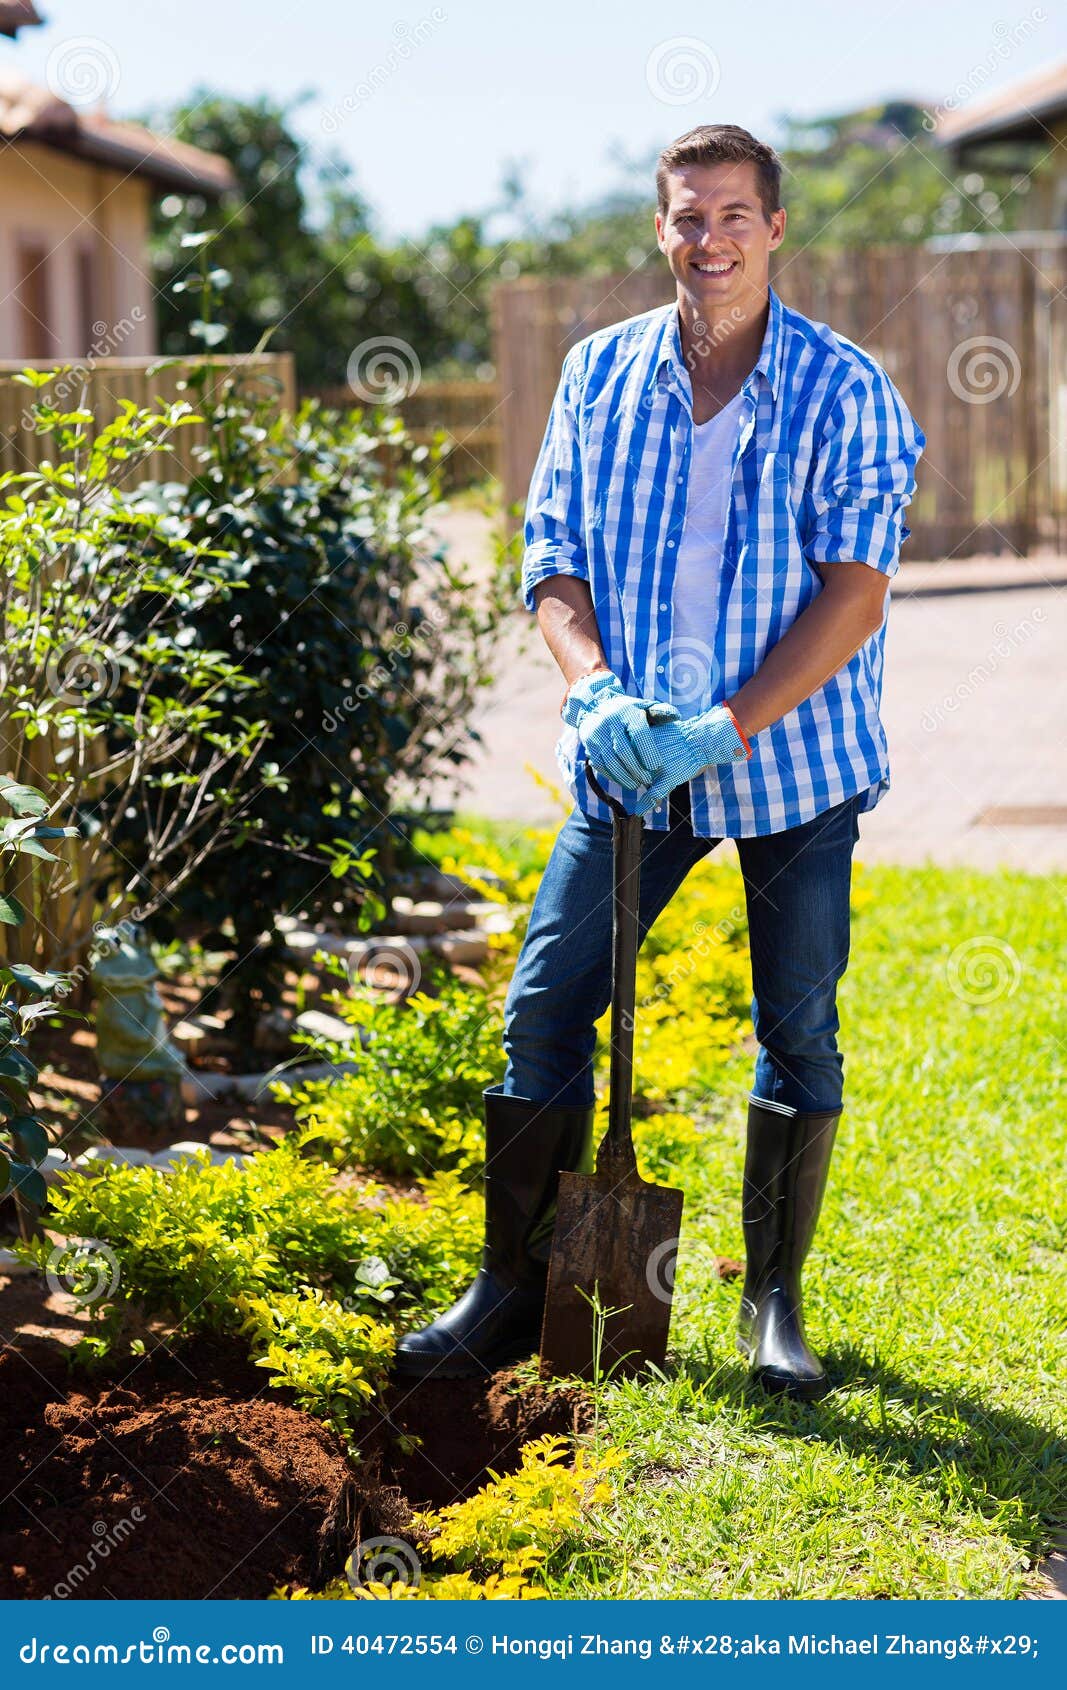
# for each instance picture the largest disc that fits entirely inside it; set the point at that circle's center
(99, 385)
(467, 411)
(976, 341)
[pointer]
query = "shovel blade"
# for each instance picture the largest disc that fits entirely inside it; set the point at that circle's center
(619, 1240)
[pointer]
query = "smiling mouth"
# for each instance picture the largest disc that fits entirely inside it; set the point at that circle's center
(715, 267)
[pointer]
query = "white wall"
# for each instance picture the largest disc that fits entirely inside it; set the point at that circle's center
(70, 204)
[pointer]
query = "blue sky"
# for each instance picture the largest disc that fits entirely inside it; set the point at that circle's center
(431, 103)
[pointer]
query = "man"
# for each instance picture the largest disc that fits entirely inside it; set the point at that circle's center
(715, 515)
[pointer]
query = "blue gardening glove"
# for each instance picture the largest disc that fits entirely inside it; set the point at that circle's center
(615, 729)
(686, 748)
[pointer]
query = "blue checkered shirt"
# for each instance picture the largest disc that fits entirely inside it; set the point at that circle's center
(823, 468)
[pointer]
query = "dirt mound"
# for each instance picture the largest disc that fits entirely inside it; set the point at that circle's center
(185, 1476)
(165, 1484)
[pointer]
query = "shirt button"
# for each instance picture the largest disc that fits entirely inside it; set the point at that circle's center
(659, 668)
(663, 607)
(670, 544)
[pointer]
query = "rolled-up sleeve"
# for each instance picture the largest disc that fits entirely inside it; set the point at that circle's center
(554, 543)
(864, 476)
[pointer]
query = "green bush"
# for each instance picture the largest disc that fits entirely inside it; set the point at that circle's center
(103, 704)
(414, 1102)
(366, 648)
(191, 1243)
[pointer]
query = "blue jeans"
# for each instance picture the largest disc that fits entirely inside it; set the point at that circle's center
(797, 885)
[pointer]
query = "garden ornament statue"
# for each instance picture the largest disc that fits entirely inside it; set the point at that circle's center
(141, 1071)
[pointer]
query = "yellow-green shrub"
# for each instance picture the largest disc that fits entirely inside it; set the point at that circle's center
(334, 1360)
(414, 1102)
(192, 1242)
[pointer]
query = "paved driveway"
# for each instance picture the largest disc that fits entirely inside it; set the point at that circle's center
(974, 703)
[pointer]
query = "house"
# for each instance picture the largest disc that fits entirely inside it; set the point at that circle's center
(76, 189)
(1023, 128)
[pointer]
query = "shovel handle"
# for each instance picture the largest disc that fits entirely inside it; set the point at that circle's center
(616, 1153)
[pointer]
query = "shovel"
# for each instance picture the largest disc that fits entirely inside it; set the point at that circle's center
(616, 1235)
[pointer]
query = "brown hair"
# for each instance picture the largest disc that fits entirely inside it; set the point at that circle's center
(722, 143)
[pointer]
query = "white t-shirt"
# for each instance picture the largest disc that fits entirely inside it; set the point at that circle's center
(696, 582)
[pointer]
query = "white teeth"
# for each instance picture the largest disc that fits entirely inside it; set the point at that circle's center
(714, 269)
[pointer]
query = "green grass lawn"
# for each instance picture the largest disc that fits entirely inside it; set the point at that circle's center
(936, 1291)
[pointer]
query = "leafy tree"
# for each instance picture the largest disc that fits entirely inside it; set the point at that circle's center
(876, 177)
(265, 238)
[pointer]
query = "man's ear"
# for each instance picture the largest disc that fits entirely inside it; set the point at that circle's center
(778, 222)
(659, 230)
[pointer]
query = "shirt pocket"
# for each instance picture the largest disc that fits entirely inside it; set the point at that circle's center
(772, 537)
(773, 581)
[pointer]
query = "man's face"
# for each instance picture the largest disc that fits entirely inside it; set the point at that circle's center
(715, 236)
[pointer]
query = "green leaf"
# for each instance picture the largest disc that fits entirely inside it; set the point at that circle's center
(31, 1138)
(44, 1006)
(212, 334)
(30, 848)
(29, 1183)
(15, 1066)
(33, 979)
(11, 911)
(24, 800)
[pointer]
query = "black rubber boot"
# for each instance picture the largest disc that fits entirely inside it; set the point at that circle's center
(786, 1164)
(498, 1319)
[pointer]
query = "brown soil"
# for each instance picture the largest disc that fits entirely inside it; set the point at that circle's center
(464, 1427)
(184, 1476)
